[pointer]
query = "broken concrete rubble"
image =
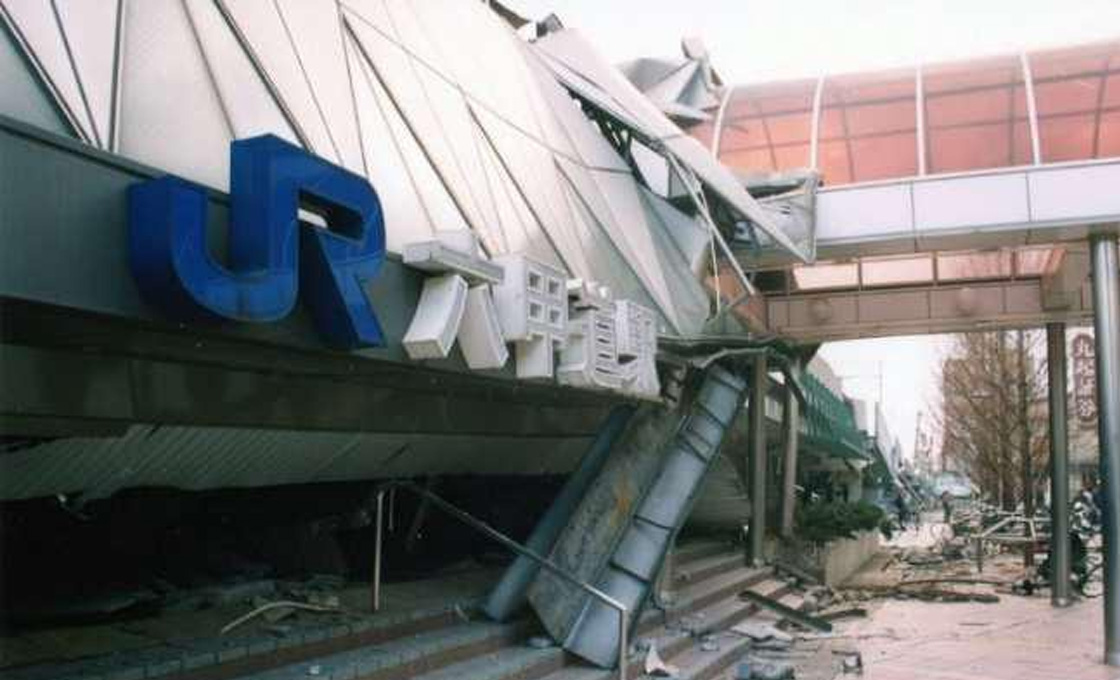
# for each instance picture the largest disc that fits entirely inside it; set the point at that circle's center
(656, 667)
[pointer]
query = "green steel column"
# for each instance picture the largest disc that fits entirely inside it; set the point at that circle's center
(758, 460)
(790, 421)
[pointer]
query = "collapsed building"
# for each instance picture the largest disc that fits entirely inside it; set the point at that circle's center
(283, 246)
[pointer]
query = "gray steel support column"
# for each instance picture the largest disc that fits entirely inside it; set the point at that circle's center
(1059, 465)
(790, 422)
(758, 460)
(509, 595)
(1106, 318)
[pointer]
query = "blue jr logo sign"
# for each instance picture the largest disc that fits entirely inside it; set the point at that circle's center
(272, 258)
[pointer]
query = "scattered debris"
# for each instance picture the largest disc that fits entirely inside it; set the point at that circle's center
(237, 593)
(773, 645)
(786, 612)
(759, 631)
(849, 613)
(853, 663)
(657, 668)
(541, 642)
(801, 574)
(324, 600)
(765, 670)
(953, 579)
(274, 605)
(922, 559)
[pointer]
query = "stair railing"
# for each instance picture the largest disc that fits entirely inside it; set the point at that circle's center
(507, 542)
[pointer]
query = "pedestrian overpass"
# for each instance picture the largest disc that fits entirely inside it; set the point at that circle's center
(951, 197)
(947, 253)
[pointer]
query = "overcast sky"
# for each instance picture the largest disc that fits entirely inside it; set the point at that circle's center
(751, 41)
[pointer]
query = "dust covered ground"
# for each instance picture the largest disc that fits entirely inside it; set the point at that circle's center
(924, 618)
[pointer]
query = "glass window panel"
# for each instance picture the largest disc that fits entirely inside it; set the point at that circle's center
(746, 161)
(874, 117)
(826, 275)
(744, 134)
(1073, 95)
(790, 128)
(1066, 138)
(791, 156)
(969, 148)
(1021, 150)
(976, 116)
(1075, 90)
(973, 265)
(895, 271)
(835, 162)
(773, 123)
(979, 74)
(1111, 97)
(884, 157)
(1068, 61)
(703, 133)
(1108, 137)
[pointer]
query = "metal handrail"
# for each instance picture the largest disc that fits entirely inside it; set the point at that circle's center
(491, 532)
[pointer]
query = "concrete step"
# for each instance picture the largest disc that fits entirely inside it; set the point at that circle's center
(511, 663)
(694, 549)
(405, 657)
(672, 642)
(519, 662)
(243, 651)
(491, 651)
(696, 664)
(701, 594)
(707, 567)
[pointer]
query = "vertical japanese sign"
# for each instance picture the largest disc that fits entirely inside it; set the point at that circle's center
(1084, 378)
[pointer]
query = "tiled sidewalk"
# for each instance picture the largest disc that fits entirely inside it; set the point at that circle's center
(1017, 639)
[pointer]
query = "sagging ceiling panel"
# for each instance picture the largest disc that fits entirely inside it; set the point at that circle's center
(603, 86)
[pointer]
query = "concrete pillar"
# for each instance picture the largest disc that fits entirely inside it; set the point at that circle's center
(791, 421)
(758, 460)
(1059, 465)
(1106, 317)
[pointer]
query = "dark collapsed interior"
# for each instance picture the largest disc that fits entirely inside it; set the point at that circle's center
(145, 550)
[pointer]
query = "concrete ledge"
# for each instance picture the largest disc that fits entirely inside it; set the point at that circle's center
(833, 562)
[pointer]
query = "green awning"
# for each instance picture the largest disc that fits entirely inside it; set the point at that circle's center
(829, 424)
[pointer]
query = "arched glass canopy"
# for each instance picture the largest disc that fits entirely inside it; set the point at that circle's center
(1039, 107)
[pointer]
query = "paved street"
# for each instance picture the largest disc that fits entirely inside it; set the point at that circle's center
(1017, 639)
